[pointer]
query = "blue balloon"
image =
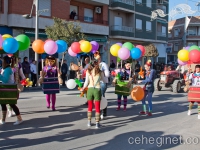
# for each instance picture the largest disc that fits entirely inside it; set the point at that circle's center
(62, 46)
(136, 53)
(10, 45)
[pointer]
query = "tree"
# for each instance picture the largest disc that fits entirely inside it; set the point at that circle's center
(151, 50)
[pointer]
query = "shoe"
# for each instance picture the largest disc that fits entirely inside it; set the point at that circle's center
(149, 114)
(2, 122)
(9, 113)
(117, 109)
(53, 109)
(48, 107)
(89, 123)
(97, 125)
(18, 122)
(124, 109)
(198, 116)
(142, 113)
(189, 112)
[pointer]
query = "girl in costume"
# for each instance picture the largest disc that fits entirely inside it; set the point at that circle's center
(7, 76)
(92, 81)
(50, 71)
(193, 94)
(149, 88)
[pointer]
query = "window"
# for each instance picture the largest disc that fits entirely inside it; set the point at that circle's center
(176, 45)
(160, 1)
(163, 30)
(138, 24)
(45, 5)
(88, 15)
(138, 1)
(192, 43)
(73, 12)
(148, 26)
(1, 5)
(176, 32)
(192, 30)
(148, 4)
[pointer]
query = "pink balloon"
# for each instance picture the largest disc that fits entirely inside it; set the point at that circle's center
(50, 47)
(1, 40)
(182, 63)
(47, 40)
(71, 53)
(142, 49)
(124, 53)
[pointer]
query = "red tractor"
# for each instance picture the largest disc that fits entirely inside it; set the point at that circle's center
(169, 79)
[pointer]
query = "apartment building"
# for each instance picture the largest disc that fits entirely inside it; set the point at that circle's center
(92, 15)
(176, 36)
(130, 20)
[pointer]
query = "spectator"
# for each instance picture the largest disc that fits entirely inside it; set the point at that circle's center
(137, 67)
(154, 66)
(64, 70)
(73, 14)
(112, 65)
(33, 73)
(60, 63)
(26, 67)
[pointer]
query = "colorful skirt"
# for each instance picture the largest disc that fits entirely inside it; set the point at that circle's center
(194, 94)
(50, 86)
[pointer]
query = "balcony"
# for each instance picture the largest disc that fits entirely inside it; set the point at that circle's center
(161, 36)
(122, 31)
(95, 2)
(123, 4)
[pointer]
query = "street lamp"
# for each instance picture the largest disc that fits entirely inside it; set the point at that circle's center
(29, 16)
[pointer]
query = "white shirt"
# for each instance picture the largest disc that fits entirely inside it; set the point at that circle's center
(104, 68)
(33, 68)
(195, 80)
(181, 68)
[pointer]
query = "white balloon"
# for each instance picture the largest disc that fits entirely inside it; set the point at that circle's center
(71, 84)
(104, 103)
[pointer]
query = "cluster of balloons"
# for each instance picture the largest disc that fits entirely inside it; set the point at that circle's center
(49, 46)
(126, 50)
(83, 47)
(12, 45)
(189, 55)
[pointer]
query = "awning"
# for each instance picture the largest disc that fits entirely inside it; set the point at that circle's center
(96, 38)
(161, 21)
(31, 33)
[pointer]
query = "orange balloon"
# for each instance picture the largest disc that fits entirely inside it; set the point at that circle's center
(137, 93)
(81, 41)
(38, 46)
(1, 48)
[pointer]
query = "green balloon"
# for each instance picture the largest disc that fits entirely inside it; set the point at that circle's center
(128, 45)
(24, 42)
(193, 47)
(118, 59)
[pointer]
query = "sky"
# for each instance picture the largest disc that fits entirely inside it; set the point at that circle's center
(191, 3)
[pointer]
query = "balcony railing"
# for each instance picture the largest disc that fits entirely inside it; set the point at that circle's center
(125, 4)
(128, 2)
(161, 34)
(122, 28)
(90, 20)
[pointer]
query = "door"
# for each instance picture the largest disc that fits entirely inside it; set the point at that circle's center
(117, 23)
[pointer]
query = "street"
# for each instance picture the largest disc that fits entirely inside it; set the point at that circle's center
(66, 128)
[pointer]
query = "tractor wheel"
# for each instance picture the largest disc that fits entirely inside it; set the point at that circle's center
(156, 85)
(176, 87)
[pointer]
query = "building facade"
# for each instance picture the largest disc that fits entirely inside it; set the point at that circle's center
(130, 20)
(92, 15)
(176, 36)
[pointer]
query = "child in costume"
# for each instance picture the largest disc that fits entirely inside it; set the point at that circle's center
(50, 71)
(194, 94)
(149, 88)
(7, 76)
(92, 81)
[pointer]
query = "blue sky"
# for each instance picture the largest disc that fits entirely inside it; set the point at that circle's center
(192, 3)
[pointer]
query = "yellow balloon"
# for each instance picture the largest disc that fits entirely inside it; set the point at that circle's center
(114, 49)
(5, 36)
(183, 55)
(86, 47)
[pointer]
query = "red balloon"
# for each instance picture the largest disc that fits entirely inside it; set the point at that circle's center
(76, 47)
(194, 56)
(142, 49)
(9, 55)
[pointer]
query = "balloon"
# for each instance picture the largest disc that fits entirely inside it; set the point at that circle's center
(47, 40)
(5, 36)
(142, 49)
(182, 63)
(118, 59)
(1, 40)
(81, 41)
(120, 44)
(194, 47)
(187, 48)
(136, 53)
(128, 45)
(95, 46)
(76, 47)
(103, 103)
(114, 49)
(123, 53)
(24, 42)
(86, 47)
(71, 84)
(194, 56)
(10, 45)
(71, 53)
(137, 93)
(9, 55)
(50, 47)
(62, 46)
(38, 46)
(183, 55)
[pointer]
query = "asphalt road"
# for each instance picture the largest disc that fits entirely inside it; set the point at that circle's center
(66, 128)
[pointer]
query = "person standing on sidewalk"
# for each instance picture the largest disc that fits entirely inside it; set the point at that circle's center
(64, 70)
(33, 73)
(26, 67)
